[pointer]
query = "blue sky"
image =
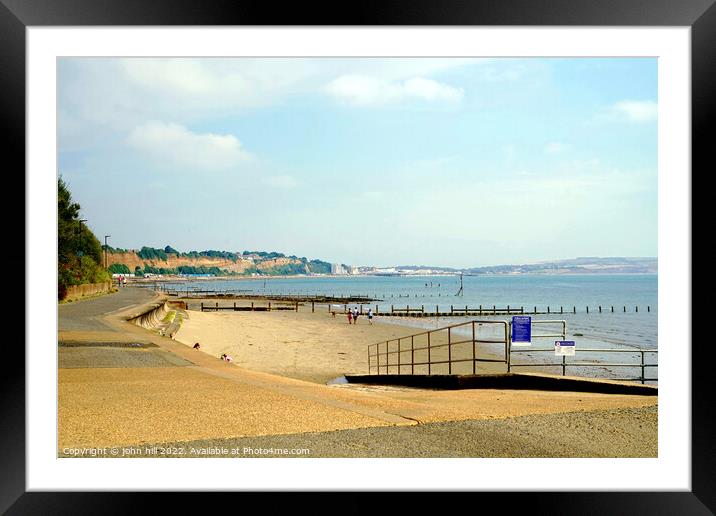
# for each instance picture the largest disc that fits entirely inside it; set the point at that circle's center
(453, 162)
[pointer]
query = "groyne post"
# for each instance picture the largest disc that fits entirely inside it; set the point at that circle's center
(313, 307)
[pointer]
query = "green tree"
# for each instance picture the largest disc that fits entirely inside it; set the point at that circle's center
(118, 268)
(79, 253)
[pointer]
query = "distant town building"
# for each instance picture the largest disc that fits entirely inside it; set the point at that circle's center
(352, 269)
(337, 268)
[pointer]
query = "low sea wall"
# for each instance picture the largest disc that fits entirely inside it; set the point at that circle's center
(88, 289)
(151, 317)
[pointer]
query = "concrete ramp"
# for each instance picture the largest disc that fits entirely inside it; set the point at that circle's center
(523, 381)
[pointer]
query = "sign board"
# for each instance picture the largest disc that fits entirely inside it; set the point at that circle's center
(564, 348)
(521, 330)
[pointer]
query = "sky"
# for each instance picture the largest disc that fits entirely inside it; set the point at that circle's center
(366, 161)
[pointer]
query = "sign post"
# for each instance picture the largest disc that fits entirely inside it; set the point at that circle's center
(521, 330)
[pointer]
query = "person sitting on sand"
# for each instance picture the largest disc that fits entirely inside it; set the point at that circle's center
(197, 346)
(223, 356)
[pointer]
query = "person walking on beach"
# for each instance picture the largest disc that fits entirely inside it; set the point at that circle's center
(355, 315)
(370, 316)
(350, 316)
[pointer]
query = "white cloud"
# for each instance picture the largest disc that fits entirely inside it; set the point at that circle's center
(282, 181)
(556, 147)
(176, 144)
(364, 90)
(635, 110)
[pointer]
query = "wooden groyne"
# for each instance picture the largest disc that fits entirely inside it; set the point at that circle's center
(294, 304)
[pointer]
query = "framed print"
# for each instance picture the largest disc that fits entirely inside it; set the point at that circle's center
(246, 139)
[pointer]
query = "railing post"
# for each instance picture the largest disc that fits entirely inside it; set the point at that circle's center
(313, 306)
(642, 367)
(564, 365)
(412, 355)
(473, 347)
(449, 353)
(369, 359)
(202, 306)
(508, 345)
(398, 356)
(269, 307)
(429, 353)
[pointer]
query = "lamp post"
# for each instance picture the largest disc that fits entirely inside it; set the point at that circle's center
(105, 250)
(79, 252)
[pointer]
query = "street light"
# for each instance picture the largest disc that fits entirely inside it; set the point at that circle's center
(79, 252)
(105, 250)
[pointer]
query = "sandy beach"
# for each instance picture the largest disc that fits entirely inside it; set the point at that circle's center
(312, 346)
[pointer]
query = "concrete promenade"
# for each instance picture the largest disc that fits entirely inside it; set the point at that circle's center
(122, 385)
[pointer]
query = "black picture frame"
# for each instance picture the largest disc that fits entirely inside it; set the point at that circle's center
(17, 15)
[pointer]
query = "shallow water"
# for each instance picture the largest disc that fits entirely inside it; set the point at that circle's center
(607, 330)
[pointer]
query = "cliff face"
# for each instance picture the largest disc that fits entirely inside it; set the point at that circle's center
(132, 260)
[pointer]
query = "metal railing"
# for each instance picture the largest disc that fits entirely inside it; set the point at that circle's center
(436, 341)
(398, 356)
(564, 364)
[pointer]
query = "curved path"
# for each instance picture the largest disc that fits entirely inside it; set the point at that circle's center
(87, 314)
(121, 385)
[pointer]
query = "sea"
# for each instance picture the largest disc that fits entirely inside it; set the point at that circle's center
(628, 320)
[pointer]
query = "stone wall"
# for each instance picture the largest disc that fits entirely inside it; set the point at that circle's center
(88, 289)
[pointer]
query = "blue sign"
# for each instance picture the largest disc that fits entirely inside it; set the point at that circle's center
(522, 330)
